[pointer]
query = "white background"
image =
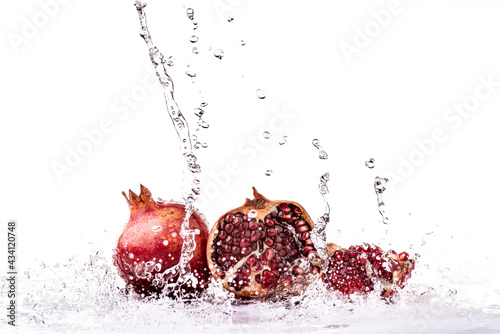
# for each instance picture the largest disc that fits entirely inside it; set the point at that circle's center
(77, 68)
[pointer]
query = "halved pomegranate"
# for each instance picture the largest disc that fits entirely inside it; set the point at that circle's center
(262, 248)
(151, 243)
(358, 268)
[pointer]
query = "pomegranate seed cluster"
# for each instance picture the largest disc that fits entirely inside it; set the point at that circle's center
(268, 252)
(355, 269)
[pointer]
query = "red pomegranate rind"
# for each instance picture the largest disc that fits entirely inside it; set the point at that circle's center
(260, 255)
(358, 268)
(151, 243)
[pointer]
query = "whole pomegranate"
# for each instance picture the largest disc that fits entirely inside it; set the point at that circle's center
(151, 244)
(358, 268)
(262, 248)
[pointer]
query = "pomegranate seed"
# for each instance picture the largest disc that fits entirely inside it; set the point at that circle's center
(271, 232)
(252, 260)
(307, 249)
(295, 209)
(229, 228)
(269, 222)
(269, 254)
(252, 225)
(244, 242)
(255, 236)
(403, 256)
(245, 251)
(283, 207)
(269, 242)
(243, 226)
(222, 235)
(235, 250)
(285, 216)
(237, 221)
(304, 236)
(277, 239)
(230, 218)
(246, 234)
(302, 229)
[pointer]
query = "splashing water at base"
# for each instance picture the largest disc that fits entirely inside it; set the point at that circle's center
(88, 296)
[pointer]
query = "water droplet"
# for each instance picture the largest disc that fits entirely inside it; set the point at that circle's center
(269, 172)
(266, 134)
(322, 153)
(203, 124)
(203, 104)
(171, 61)
(165, 242)
(230, 19)
(157, 229)
(243, 43)
(191, 73)
(219, 54)
(260, 94)
(283, 140)
(370, 163)
(131, 255)
(379, 187)
(204, 145)
(195, 50)
(174, 234)
(190, 13)
(252, 214)
(316, 143)
(194, 39)
(199, 112)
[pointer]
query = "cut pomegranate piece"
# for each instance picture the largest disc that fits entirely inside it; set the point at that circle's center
(262, 248)
(358, 268)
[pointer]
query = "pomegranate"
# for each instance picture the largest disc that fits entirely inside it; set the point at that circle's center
(262, 248)
(151, 243)
(358, 268)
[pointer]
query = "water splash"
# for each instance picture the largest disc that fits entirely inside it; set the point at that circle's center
(283, 140)
(190, 13)
(379, 187)
(318, 233)
(219, 54)
(182, 269)
(260, 94)
(321, 153)
(370, 163)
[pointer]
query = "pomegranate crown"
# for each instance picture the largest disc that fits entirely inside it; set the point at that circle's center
(143, 200)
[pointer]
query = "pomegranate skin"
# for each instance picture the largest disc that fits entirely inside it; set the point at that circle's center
(151, 243)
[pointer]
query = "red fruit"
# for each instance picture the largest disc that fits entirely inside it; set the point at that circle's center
(358, 268)
(151, 244)
(257, 250)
